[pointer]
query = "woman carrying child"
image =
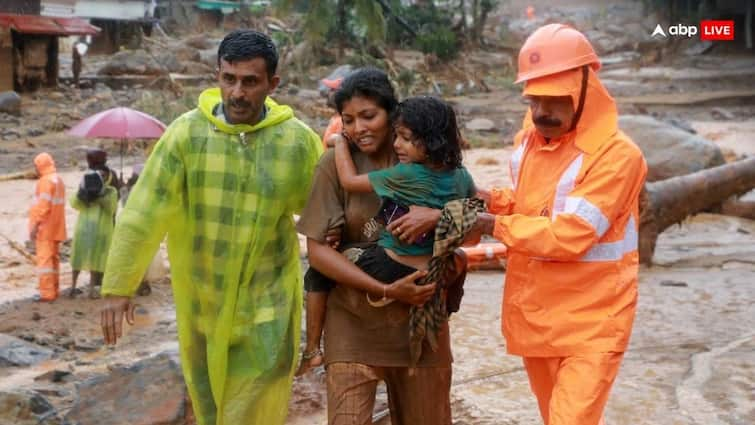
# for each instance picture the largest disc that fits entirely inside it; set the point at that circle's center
(366, 344)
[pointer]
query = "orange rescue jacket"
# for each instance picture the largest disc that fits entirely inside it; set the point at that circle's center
(571, 227)
(49, 201)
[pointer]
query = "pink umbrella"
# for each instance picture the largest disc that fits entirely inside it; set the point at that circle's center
(119, 123)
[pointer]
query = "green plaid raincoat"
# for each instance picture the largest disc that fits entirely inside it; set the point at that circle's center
(225, 195)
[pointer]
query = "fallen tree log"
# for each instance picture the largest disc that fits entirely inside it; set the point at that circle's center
(25, 174)
(16, 246)
(738, 208)
(670, 201)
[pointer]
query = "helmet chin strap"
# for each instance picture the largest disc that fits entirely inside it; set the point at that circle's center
(581, 103)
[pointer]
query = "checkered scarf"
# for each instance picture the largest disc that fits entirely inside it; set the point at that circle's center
(456, 220)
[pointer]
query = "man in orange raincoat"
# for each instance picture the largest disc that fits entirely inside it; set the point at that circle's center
(570, 223)
(47, 225)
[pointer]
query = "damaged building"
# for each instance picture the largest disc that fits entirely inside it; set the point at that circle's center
(29, 48)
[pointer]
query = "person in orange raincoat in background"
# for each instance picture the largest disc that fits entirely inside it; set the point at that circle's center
(335, 125)
(47, 225)
(570, 224)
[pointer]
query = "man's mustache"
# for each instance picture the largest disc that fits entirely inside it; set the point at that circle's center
(546, 121)
(239, 103)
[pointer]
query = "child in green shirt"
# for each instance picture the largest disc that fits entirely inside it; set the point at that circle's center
(429, 173)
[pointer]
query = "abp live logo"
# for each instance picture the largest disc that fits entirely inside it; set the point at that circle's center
(716, 30)
(709, 30)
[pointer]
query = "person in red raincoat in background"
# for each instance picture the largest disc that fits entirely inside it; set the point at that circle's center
(47, 225)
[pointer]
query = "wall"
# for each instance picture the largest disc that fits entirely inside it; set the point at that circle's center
(6, 60)
(65, 8)
(23, 7)
(112, 9)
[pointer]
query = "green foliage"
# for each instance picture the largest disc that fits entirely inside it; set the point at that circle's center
(364, 19)
(442, 43)
(433, 26)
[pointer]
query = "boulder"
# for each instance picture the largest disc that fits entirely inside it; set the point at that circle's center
(480, 124)
(22, 407)
(200, 42)
(209, 57)
(669, 150)
(148, 392)
(170, 62)
(17, 352)
(132, 62)
(10, 103)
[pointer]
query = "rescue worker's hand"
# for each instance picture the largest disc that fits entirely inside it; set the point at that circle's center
(418, 221)
(112, 310)
(484, 195)
(33, 233)
(406, 291)
(333, 237)
(483, 226)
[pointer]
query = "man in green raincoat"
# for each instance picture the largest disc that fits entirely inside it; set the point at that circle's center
(223, 183)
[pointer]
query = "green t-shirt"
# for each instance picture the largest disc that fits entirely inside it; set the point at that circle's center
(415, 184)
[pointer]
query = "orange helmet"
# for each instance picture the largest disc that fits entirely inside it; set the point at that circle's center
(554, 48)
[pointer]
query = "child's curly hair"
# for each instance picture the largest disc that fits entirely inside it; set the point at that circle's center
(433, 125)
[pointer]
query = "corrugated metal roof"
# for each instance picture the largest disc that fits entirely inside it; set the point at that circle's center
(32, 24)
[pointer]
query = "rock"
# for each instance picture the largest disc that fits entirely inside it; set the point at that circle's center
(721, 113)
(36, 316)
(480, 124)
(200, 42)
(185, 53)
(150, 391)
(170, 62)
(17, 352)
(132, 62)
(34, 132)
(198, 68)
(10, 103)
(85, 345)
(681, 124)
(54, 376)
(669, 151)
(26, 408)
(209, 57)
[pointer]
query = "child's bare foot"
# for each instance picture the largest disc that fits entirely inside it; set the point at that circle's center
(309, 360)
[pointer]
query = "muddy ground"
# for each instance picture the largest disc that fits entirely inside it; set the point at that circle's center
(690, 361)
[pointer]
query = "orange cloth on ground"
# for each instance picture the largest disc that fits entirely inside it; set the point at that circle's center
(335, 126)
(48, 268)
(48, 213)
(49, 201)
(572, 390)
(571, 227)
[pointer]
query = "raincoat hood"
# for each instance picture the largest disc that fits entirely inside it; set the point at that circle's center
(276, 113)
(599, 119)
(44, 163)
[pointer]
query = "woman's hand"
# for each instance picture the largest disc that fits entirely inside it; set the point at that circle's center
(418, 221)
(408, 292)
(333, 237)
